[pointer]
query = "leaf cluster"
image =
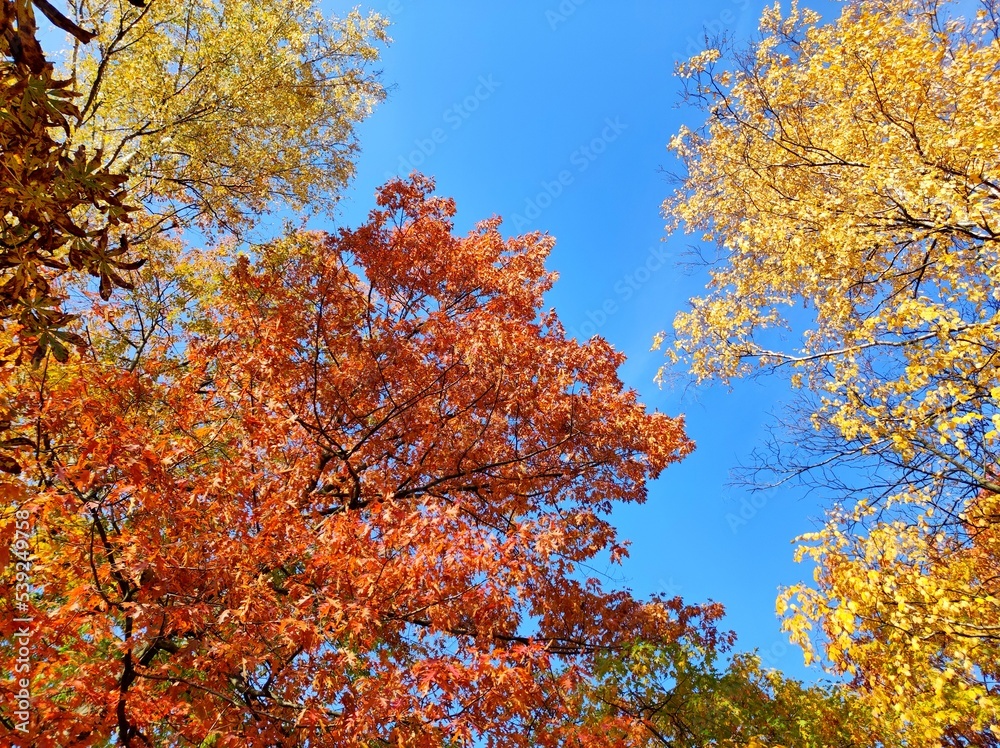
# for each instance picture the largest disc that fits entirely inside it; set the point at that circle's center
(850, 168)
(58, 205)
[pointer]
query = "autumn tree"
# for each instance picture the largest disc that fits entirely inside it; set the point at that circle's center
(220, 110)
(850, 168)
(915, 620)
(342, 493)
(683, 696)
(59, 205)
(208, 113)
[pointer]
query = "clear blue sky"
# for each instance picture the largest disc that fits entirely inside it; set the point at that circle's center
(555, 115)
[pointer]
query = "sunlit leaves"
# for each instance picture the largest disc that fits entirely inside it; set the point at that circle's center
(850, 167)
(58, 204)
(690, 699)
(910, 612)
(338, 495)
(218, 111)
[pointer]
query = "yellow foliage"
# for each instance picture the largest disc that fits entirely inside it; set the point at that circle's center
(855, 177)
(221, 109)
(851, 167)
(920, 625)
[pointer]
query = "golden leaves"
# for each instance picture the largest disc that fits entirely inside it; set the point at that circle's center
(850, 167)
(914, 621)
(220, 111)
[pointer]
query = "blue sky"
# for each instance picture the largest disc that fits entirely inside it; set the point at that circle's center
(555, 115)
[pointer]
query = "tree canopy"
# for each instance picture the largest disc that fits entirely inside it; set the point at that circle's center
(221, 110)
(266, 487)
(851, 167)
(323, 508)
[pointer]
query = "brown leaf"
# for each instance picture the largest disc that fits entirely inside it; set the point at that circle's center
(18, 441)
(9, 465)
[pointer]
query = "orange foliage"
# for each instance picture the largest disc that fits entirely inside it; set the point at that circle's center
(344, 501)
